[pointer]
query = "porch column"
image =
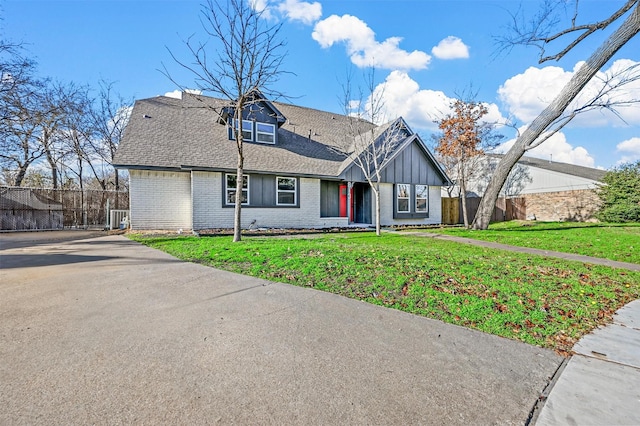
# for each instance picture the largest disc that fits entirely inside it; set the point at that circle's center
(349, 187)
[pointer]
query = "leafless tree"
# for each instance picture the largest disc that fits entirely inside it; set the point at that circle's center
(110, 114)
(366, 144)
(58, 101)
(558, 114)
(21, 103)
(240, 61)
(76, 135)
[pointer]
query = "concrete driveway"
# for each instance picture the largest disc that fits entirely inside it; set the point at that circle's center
(104, 331)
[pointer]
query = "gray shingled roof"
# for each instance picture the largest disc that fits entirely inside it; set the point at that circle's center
(168, 133)
(566, 168)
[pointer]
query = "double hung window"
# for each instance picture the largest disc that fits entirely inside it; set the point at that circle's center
(255, 131)
(231, 189)
(286, 191)
(403, 197)
(411, 201)
(265, 133)
(247, 130)
(422, 198)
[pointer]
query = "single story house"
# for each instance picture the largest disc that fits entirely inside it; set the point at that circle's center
(181, 157)
(547, 190)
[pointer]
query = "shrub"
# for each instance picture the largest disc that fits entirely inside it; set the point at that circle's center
(620, 194)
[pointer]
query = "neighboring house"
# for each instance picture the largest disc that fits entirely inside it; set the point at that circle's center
(25, 208)
(182, 158)
(551, 191)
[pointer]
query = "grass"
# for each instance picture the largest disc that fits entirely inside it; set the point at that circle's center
(541, 301)
(619, 242)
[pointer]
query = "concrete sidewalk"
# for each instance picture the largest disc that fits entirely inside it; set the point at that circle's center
(548, 253)
(600, 384)
(104, 331)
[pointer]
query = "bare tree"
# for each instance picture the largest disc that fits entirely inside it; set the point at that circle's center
(557, 115)
(243, 64)
(367, 145)
(462, 144)
(58, 101)
(21, 103)
(110, 115)
(77, 135)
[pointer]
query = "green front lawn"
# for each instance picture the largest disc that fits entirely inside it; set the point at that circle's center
(619, 242)
(542, 301)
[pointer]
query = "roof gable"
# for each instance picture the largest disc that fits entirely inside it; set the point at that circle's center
(178, 134)
(411, 162)
(258, 107)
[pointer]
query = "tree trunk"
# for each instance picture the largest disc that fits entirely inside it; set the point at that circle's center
(465, 215)
(81, 183)
(22, 171)
(117, 183)
(376, 191)
(580, 79)
(237, 218)
(46, 139)
(463, 192)
(54, 172)
(237, 129)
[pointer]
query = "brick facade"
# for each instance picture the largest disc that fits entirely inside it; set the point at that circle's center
(577, 205)
(162, 200)
(208, 212)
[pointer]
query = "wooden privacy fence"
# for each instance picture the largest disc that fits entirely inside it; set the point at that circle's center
(505, 209)
(42, 209)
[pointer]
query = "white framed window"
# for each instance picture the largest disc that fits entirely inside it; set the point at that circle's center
(265, 133)
(231, 189)
(422, 198)
(403, 197)
(247, 130)
(286, 191)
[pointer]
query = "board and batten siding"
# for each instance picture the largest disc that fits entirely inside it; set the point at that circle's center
(409, 166)
(208, 212)
(160, 200)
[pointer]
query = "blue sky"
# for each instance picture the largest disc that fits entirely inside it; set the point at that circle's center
(426, 51)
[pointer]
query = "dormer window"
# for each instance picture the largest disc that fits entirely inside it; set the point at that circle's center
(265, 133)
(247, 130)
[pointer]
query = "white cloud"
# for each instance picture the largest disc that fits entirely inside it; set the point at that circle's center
(262, 7)
(402, 96)
(362, 46)
(556, 148)
(630, 150)
(177, 94)
(451, 48)
(296, 10)
(526, 95)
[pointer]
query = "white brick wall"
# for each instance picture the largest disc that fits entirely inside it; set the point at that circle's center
(160, 200)
(386, 209)
(208, 211)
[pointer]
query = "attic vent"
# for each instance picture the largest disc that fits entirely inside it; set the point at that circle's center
(146, 116)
